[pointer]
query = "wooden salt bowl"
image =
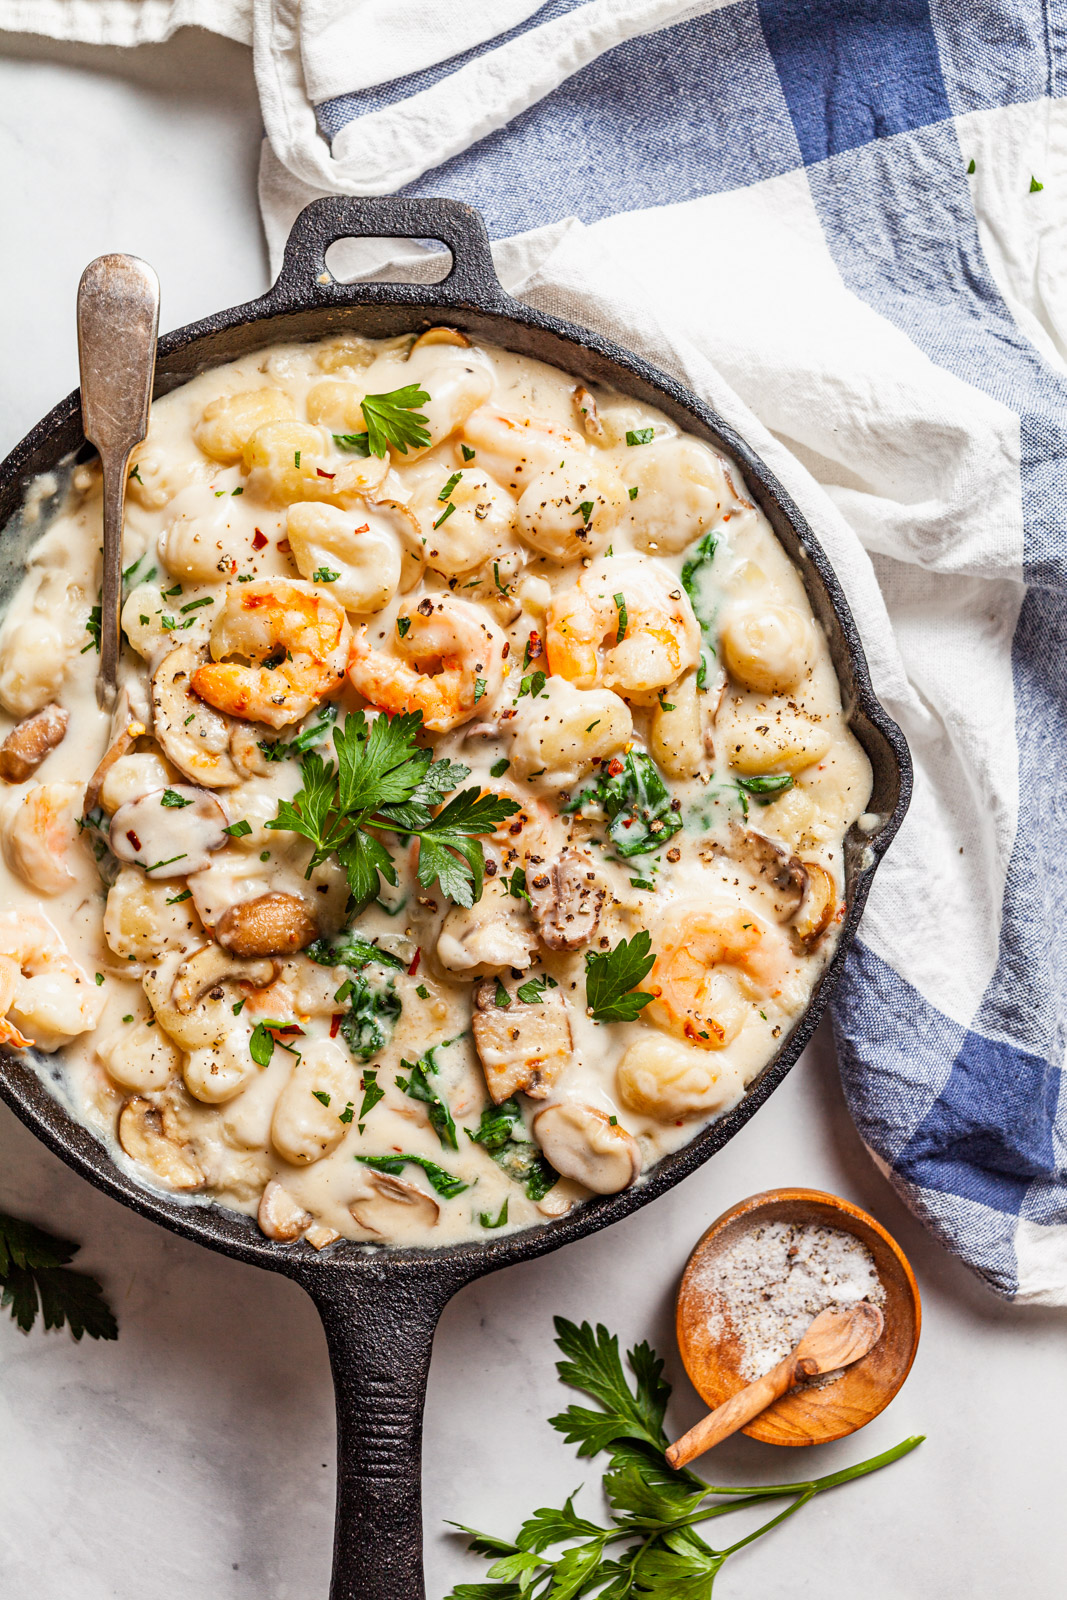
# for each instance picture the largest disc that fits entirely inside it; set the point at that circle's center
(805, 1415)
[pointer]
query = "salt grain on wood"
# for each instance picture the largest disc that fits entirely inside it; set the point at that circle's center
(768, 1284)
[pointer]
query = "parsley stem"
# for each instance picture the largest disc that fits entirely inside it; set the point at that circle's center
(765, 1527)
(831, 1481)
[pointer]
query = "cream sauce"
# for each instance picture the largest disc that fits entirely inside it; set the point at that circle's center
(579, 538)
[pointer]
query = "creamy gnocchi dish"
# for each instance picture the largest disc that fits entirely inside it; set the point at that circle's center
(469, 830)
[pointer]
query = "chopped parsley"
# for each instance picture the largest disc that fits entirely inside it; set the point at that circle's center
(324, 575)
(611, 977)
(173, 800)
(530, 992)
(640, 435)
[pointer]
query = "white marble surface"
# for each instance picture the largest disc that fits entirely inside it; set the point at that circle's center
(195, 1457)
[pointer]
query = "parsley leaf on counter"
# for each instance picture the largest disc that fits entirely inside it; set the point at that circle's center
(650, 1549)
(35, 1277)
(392, 419)
(611, 976)
(445, 1183)
(384, 781)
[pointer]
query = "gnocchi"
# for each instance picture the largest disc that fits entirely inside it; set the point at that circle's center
(442, 675)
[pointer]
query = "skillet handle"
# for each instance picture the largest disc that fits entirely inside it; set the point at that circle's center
(305, 277)
(379, 1331)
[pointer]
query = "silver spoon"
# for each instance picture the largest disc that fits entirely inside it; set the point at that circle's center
(118, 317)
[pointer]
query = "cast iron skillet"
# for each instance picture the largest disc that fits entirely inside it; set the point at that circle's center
(380, 1306)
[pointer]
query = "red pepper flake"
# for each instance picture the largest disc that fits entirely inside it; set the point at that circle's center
(132, 837)
(414, 967)
(335, 1023)
(285, 547)
(536, 647)
(286, 1027)
(323, 474)
(365, 528)
(233, 568)
(260, 540)
(614, 766)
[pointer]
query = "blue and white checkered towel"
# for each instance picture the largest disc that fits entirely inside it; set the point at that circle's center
(843, 223)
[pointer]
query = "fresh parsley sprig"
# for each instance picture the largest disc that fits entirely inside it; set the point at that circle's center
(383, 781)
(392, 419)
(611, 977)
(650, 1549)
(35, 1277)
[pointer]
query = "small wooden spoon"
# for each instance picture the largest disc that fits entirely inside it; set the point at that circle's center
(835, 1339)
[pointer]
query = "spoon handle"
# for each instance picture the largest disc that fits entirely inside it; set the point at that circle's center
(735, 1412)
(118, 318)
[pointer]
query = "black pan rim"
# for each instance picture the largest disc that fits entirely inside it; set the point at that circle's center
(236, 1234)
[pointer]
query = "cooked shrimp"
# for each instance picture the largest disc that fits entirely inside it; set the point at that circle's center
(626, 624)
(513, 450)
(38, 834)
(298, 636)
(53, 999)
(9, 982)
(447, 663)
(712, 957)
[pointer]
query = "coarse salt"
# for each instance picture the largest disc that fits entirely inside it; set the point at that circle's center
(769, 1283)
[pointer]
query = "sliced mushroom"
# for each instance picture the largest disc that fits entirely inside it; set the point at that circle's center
(210, 967)
(270, 925)
(781, 871)
(196, 738)
(405, 525)
(440, 335)
(142, 1136)
(319, 1235)
(588, 415)
(279, 1216)
(566, 899)
(817, 907)
(30, 741)
(562, 1196)
(583, 1143)
(521, 1046)
(393, 1204)
(490, 936)
(169, 832)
